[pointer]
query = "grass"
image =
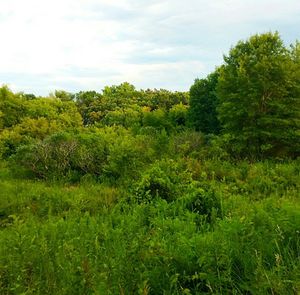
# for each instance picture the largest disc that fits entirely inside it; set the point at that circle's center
(92, 238)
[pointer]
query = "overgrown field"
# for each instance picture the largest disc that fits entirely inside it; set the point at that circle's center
(232, 229)
(156, 192)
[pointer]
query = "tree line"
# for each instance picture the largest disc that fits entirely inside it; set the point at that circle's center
(247, 108)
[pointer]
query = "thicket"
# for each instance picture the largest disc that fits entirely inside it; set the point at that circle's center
(155, 192)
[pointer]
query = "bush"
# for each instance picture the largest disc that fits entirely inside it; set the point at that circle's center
(204, 202)
(164, 179)
(50, 158)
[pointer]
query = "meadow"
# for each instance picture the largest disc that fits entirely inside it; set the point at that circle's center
(232, 229)
(130, 191)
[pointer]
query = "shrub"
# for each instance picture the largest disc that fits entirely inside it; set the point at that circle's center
(204, 202)
(165, 179)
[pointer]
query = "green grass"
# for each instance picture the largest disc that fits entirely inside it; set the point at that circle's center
(92, 238)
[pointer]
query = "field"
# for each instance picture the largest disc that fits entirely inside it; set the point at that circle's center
(128, 191)
(232, 229)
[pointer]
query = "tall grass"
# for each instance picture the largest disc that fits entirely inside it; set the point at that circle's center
(91, 238)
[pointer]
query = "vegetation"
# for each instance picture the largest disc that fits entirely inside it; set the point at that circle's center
(155, 192)
(203, 104)
(259, 95)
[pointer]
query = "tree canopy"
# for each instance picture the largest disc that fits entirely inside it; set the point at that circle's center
(258, 92)
(203, 104)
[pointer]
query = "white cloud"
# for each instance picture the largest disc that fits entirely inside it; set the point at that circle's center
(86, 44)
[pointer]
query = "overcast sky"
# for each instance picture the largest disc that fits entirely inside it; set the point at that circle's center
(86, 44)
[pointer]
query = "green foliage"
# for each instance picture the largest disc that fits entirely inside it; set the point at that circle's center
(133, 201)
(187, 143)
(259, 96)
(124, 105)
(210, 239)
(89, 106)
(157, 119)
(11, 108)
(124, 159)
(178, 114)
(127, 117)
(204, 202)
(160, 180)
(37, 118)
(110, 153)
(63, 95)
(49, 158)
(163, 99)
(203, 104)
(120, 92)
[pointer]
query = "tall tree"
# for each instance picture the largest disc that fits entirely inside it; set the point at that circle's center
(258, 90)
(203, 103)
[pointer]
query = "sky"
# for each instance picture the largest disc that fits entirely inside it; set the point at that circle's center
(78, 45)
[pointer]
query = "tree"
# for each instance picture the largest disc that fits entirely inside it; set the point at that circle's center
(121, 93)
(11, 108)
(89, 105)
(178, 114)
(157, 119)
(258, 91)
(27, 120)
(163, 99)
(63, 95)
(202, 113)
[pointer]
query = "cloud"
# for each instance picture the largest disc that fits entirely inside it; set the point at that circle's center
(87, 44)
